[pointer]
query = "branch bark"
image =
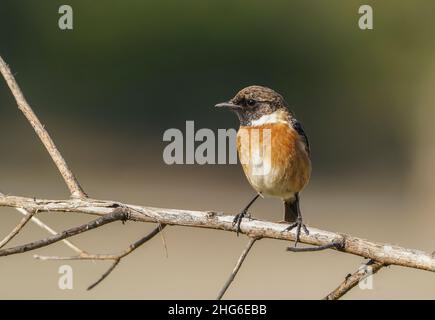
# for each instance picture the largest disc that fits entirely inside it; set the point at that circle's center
(27, 217)
(68, 176)
(381, 252)
(40, 224)
(116, 215)
(352, 280)
(115, 257)
(236, 268)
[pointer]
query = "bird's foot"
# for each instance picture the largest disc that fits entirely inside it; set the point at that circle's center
(298, 224)
(238, 220)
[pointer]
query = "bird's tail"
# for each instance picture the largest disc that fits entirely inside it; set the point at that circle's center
(291, 209)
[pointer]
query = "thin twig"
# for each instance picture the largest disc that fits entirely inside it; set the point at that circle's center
(47, 228)
(236, 268)
(133, 247)
(17, 229)
(336, 245)
(115, 257)
(44, 226)
(120, 255)
(369, 269)
(68, 176)
(114, 216)
(105, 274)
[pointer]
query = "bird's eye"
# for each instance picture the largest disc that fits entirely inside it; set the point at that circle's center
(250, 102)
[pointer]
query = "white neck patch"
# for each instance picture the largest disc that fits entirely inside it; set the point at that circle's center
(276, 117)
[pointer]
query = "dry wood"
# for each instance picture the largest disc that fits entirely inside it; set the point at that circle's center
(40, 224)
(68, 176)
(236, 268)
(352, 280)
(381, 252)
(27, 216)
(116, 215)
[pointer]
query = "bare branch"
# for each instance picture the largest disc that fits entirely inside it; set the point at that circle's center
(236, 268)
(115, 257)
(104, 275)
(44, 226)
(384, 253)
(352, 280)
(336, 245)
(68, 176)
(117, 214)
(133, 247)
(28, 215)
(122, 254)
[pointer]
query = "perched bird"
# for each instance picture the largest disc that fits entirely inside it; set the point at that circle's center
(278, 164)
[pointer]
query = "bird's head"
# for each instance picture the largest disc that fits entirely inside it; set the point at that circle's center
(253, 103)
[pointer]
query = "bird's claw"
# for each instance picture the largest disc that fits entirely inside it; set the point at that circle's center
(298, 224)
(238, 220)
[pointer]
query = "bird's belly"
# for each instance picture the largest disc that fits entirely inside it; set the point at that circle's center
(280, 171)
(274, 184)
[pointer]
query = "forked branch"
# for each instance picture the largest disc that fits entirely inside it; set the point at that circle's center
(116, 258)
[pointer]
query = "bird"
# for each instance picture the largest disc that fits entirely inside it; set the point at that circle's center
(279, 164)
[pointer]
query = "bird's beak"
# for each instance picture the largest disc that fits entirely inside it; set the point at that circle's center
(228, 105)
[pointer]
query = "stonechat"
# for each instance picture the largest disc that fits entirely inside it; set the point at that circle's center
(283, 171)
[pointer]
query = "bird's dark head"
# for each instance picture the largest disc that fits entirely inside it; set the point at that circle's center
(254, 102)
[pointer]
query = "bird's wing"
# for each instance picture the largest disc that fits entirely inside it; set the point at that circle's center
(300, 130)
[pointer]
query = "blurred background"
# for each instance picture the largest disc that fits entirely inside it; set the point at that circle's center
(129, 70)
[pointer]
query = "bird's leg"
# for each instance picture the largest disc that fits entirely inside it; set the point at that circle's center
(298, 224)
(238, 218)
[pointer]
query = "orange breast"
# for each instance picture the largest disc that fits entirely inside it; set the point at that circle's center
(286, 166)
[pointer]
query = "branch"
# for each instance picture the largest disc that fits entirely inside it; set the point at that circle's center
(236, 268)
(104, 275)
(115, 257)
(370, 268)
(132, 247)
(116, 215)
(44, 226)
(383, 253)
(68, 176)
(40, 224)
(27, 216)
